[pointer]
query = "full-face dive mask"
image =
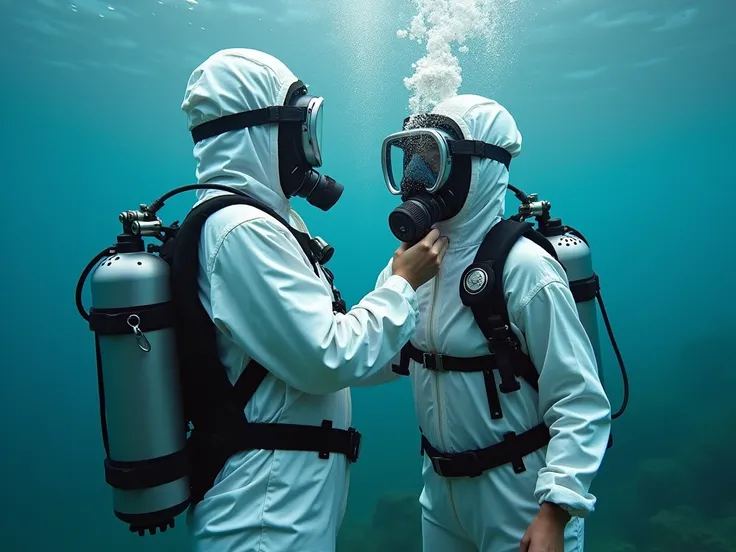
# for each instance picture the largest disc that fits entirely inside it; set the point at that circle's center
(300, 139)
(430, 168)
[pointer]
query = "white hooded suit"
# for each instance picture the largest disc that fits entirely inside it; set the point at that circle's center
(267, 304)
(490, 513)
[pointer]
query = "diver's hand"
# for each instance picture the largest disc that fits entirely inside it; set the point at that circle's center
(547, 531)
(420, 263)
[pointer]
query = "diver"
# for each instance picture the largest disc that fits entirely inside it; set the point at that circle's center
(513, 416)
(233, 331)
(269, 307)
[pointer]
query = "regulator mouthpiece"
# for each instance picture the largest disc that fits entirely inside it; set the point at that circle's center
(320, 190)
(413, 219)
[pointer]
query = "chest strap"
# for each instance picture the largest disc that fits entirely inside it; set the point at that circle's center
(473, 463)
(519, 365)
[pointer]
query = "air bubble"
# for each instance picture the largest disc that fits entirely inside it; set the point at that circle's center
(440, 25)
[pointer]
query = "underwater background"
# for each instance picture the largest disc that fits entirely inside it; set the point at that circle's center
(627, 112)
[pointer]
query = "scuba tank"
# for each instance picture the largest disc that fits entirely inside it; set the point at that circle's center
(573, 253)
(143, 426)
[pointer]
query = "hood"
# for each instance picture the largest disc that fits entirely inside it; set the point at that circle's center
(231, 81)
(480, 119)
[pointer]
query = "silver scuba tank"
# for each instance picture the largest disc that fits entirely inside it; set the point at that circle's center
(143, 423)
(574, 255)
(573, 252)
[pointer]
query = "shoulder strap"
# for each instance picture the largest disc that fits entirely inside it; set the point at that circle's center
(204, 379)
(541, 241)
(481, 286)
(481, 289)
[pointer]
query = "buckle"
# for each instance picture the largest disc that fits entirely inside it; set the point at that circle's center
(433, 362)
(500, 334)
(501, 337)
(354, 440)
(463, 464)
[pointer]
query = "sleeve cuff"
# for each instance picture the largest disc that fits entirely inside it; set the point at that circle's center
(397, 283)
(569, 501)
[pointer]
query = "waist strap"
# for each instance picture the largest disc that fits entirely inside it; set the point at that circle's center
(473, 463)
(209, 450)
(323, 439)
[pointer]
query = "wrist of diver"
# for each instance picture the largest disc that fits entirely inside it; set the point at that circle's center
(409, 281)
(556, 512)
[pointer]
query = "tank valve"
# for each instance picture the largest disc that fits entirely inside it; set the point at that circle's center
(534, 208)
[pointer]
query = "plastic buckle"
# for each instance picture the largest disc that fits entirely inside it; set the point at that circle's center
(354, 439)
(433, 362)
(463, 464)
(437, 462)
(501, 336)
(339, 306)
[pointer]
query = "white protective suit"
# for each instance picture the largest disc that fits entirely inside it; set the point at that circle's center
(268, 304)
(490, 513)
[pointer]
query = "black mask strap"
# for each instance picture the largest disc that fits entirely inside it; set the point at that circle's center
(239, 121)
(477, 148)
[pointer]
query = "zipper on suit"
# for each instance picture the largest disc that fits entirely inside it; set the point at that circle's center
(433, 349)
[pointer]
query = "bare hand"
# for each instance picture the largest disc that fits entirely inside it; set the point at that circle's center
(421, 262)
(547, 531)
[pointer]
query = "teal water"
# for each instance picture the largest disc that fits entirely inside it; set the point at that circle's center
(627, 114)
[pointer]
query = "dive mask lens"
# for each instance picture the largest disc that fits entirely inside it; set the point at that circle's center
(311, 128)
(415, 161)
(319, 117)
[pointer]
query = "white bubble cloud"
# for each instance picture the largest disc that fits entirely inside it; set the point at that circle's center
(442, 26)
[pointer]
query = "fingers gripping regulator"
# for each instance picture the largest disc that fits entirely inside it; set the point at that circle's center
(143, 412)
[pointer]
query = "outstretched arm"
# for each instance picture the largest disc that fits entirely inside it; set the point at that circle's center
(386, 374)
(267, 299)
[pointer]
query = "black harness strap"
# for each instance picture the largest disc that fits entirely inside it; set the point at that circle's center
(481, 289)
(473, 463)
(214, 406)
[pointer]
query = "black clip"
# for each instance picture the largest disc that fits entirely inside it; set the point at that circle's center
(500, 344)
(463, 464)
(355, 439)
(325, 454)
(518, 462)
(433, 362)
(339, 306)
